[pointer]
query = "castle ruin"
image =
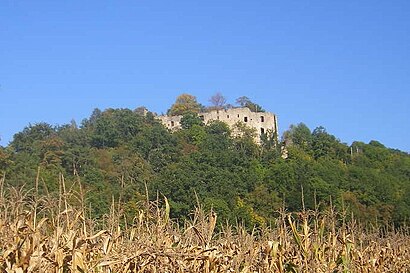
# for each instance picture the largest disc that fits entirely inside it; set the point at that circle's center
(262, 122)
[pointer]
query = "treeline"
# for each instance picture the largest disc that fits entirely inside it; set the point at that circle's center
(120, 154)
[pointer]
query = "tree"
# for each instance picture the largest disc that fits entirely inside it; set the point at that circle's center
(244, 137)
(216, 127)
(118, 151)
(325, 144)
(189, 120)
(142, 110)
(4, 159)
(246, 102)
(25, 139)
(298, 135)
(218, 101)
(185, 103)
(92, 120)
(115, 126)
(218, 137)
(243, 101)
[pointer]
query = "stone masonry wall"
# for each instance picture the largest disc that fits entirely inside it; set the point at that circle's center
(262, 122)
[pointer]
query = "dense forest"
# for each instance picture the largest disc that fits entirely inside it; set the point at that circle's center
(128, 155)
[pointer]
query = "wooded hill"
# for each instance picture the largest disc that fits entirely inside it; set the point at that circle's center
(120, 154)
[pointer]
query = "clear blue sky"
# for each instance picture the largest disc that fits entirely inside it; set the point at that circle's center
(344, 65)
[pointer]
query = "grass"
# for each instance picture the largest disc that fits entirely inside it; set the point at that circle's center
(46, 234)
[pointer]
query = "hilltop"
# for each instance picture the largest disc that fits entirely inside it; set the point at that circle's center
(121, 154)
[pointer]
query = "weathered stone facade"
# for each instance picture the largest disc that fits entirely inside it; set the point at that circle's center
(262, 122)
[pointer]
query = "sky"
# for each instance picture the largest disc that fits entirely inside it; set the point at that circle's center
(344, 65)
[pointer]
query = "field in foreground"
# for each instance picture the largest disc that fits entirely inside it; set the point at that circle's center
(51, 235)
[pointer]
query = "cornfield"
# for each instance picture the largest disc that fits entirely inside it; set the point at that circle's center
(46, 234)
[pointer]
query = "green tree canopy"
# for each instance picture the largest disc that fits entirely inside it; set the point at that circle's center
(185, 103)
(246, 102)
(298, 135)
(189, 120)
(118, 153)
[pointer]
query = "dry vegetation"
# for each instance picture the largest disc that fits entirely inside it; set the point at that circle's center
(50, 235)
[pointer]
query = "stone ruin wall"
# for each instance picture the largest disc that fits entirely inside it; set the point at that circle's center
(262, 122)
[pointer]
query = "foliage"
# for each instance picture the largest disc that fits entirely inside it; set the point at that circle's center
(119, 153)
(185, 103)
(218, 101)
(189, 120)
(246, 102)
